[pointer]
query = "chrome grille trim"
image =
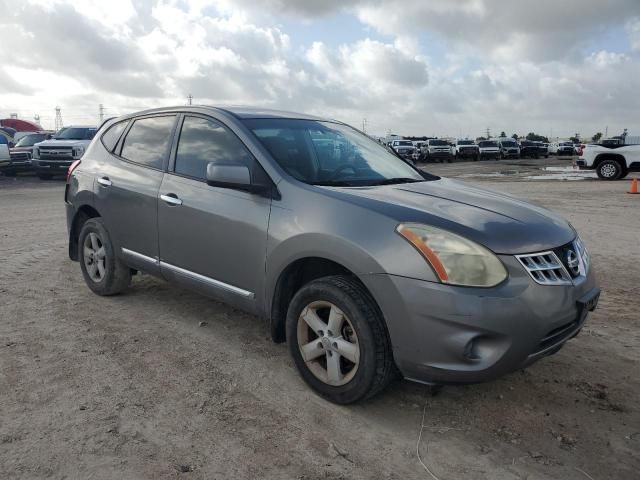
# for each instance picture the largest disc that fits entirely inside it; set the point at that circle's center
(545, 268)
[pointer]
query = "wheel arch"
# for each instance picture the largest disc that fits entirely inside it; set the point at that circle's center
(294, 276)
(603, 157)
(84, 213)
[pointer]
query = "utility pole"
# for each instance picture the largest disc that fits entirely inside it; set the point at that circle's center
(58, 122)
(606, 131)
(488, 133)
(190, 99)
(364, 125)
(101, 110)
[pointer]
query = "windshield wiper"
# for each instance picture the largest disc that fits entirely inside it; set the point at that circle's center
(397, 180)
(334, 183)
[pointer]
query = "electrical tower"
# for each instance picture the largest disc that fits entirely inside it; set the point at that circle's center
(101, 110)
(58, 123)
(190, 99)
(488, 133)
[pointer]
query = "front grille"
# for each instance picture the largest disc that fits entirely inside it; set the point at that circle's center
(20, 156)
(52, 153)
(560, 266)
(545, 268)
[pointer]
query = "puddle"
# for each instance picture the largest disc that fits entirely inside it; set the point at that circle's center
(563, 173)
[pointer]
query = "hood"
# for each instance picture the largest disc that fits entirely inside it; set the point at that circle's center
(21, 149)
(63, 143)
(500, 222)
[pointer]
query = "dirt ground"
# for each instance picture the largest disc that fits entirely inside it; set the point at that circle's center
(134, 386)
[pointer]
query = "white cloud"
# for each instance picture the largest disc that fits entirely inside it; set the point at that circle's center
(502, 67)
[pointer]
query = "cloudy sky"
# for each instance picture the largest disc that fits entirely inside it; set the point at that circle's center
(414, 67)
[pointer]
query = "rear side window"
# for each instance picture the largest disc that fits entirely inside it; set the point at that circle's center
(148, 140)
(202, 141)
(112, 135)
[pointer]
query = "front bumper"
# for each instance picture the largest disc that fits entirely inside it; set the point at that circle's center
(468, 153)
(53, 167)
(447, 334)
(490, 154)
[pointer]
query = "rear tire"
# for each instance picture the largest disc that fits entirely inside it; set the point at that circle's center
(610, 170)
(103, 272)
(344, 303)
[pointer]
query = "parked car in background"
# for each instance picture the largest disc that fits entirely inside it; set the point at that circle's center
(529, 149)
(438, 151)
(54, 156)
(22, 152)
(489, 149)
(265, 210)
(404, 148)
(544, 149)
(561, 148)
(509, 148)
(610, 160)
(7, 133)
(466, 149)
(5, 159)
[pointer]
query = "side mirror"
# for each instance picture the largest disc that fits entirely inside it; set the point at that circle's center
(235, 177)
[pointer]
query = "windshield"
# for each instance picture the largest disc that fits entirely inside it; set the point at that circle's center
(437, 142)
(566, 144)
(405, 144)
(509, 144)
(31, 140)
(486, 144)
(327, 153)
(465, 142)
(73, 133)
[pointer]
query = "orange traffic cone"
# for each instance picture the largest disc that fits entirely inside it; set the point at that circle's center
(634, 186)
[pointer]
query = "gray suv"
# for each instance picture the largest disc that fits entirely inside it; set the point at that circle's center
(366, 266)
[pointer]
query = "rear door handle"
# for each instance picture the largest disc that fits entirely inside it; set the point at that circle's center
(105, 182)
(171, 199)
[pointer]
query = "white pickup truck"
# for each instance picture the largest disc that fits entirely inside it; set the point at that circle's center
(53, 157)
(610, 159)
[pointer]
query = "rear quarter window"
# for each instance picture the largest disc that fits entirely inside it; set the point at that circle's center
(112, 135)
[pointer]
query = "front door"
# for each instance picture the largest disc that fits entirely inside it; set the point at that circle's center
(211, 238)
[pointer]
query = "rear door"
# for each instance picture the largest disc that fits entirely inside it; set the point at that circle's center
(127, 186)
(212, 239)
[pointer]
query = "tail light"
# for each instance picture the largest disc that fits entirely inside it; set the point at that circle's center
(72, 167)
(580, 150)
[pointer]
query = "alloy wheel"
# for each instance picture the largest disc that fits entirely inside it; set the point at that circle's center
(608, 170)
(328, 343)
(94, 257)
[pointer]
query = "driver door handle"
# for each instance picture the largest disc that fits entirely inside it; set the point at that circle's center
(105, 182)
(171, 199)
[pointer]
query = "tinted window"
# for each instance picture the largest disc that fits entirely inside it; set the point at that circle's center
(112, 135)
(465, 142)
(203, 141)
(438, 142)
(486, 144)
(147, 143)
(3, 140)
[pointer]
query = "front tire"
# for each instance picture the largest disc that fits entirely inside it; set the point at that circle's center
(338, 340)
(609, 170)
(103, 272)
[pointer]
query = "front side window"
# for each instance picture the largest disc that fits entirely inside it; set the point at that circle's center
(148, 140)
(202, 141)
(112, 135)
(328, 153)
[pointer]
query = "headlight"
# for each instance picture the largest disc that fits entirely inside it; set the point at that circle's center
(36, 153)
(454, 259)
(78, 152)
